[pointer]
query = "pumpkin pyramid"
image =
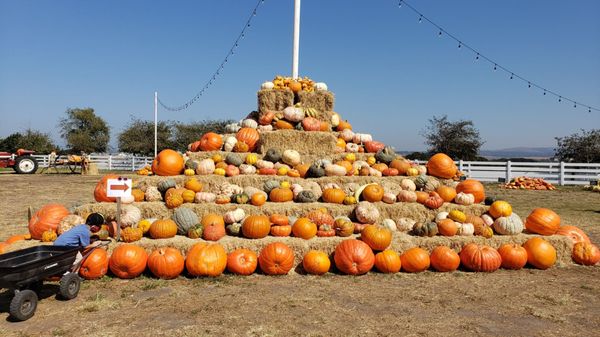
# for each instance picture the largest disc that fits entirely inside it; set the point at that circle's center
(296, 157)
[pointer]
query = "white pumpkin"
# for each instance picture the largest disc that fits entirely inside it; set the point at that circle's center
(249, 123)
(229, 143)
(279, 165)
(351, 147)
(487, 219)
(247, 169)
(205, 167)
(465, 229)
(360, 138)
(264, 164)
(229, 189)
(347, 134)
(296, 189)
(205, 197)
(291, 157)
(152, 194)
(508, 225)
(389, 198)
(405, 224)
(408, 185)
(232, 128)
(441, 216)
(422, 169)
(234, 216)
(407, 196)
(320, 86)
(330, 185)
(293, 114)
(335, 119)
(335, 170)
(130, 216)
(374, 173)
(464, 199)
(267, 85)
(366, 213)
(127, 199)
(250, 191)
(389, 224)
(69, 222)
(265, 128)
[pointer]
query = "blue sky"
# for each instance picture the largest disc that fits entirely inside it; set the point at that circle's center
(390, 74)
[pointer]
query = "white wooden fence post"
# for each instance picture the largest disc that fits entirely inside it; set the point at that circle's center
(109, 162)
(561, 174)
(508, 172)
(133, 163)
(460, 165)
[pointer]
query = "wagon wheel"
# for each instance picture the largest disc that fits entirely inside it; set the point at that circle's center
(23, 305)
(69, 286)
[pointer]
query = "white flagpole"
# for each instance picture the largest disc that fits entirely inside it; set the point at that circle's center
(155, 122)
(296, 48)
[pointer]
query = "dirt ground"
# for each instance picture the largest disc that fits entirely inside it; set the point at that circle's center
(556, 302)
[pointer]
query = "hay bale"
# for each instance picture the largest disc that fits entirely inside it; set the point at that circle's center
(322, 101)
(274, 100)
(306, 143)
(305, 158)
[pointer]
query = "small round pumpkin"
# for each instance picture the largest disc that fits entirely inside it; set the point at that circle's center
(163, 229)
(304, 228)
(213, 227)
(242, 261)
(49, 236)
(128, 261)
(353, 257)
(388, 261)
(258, 199)
(585, 253)
(377, 237)
(540, 253)
(211, 141)
(166, 263)
(500, 208)
(444, 259)
(480, 258)
(316, 262)
(373, 193)
(276, 259)
(446, 193)
(415, 260)
(447, 227)
(281, 195)
(343, 227)
(543, 221)
(249, 136)
(333, 195)
(256, 226)
(513, 256)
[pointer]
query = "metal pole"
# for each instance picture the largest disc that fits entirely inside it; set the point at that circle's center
(155, 122)
(296, 48)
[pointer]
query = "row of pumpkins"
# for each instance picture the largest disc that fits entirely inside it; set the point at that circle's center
(293, 84)
(352, 257)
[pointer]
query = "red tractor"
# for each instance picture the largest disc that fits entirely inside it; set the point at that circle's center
(21, 161)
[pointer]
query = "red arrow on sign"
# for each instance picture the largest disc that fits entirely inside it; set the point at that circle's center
(123, 187)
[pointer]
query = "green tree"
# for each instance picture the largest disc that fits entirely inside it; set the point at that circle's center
(30, 140)
(84, 131)
(581, 147)
(138, 137)
(459, 140)
(186, 133)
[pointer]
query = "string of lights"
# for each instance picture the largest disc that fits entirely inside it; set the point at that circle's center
(496, 65)
(219, 70)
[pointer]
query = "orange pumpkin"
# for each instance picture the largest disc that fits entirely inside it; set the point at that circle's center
(138, 195)
(266, 117)
(249, 136)
(333, 195)
(388, 261)
(258, 199)
(377, 237)
(500, 208)
(206, 259)
(444, 259)
(166, 263)
(415, 260)
(302, 169)
(513, 256)
(16, 238)
(543, 221)
(163, 229)
(283, 125)
(279, 220)
(281, 230)
(320, 217)
(167, 163)
(304, 228)
(100, 190)
(373, 193)
(281, 194)
(343, 125)
(256, 226)
(447, 227)
(585, 253)
(3, 246)
(402, 165)
(211, 141)
(46, 218)
(95, 265)
(540, 253)
(311, 124)
(276, 259)
(442, 166)
(128, 261)
(480, 258)
(353, 257)
(472, 186)
(316, 262)
(214, 227)
(295, 86)
(421, 196)
(242, 261)
(574, 233)
(447, 193)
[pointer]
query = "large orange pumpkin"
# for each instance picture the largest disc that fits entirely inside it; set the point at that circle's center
(276, 259)
(446, 192)
(256, 226)
(167, 163)
(472, 186)
(377, 237)
(242, 261)
(353, 257)
(540, 253)
(444, 259)
(513, 256)
(210, 141)
(128, 261)
(543, 221)
(415, 260)
(206, 259)
(249, 136)
(166, 263)
(304, 228)
(316, 262)
(388, 261)
(281, 194)
(95, 265)
(574, 233)
(373, 193)
(585, 253)
(480, 258)
(442, 166)
(100, 190)
(46, 218)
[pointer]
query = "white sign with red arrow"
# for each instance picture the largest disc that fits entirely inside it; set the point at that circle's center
(118, 188)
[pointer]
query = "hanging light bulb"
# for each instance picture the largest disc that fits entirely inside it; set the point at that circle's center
(589, 109)
(400, 4)
(254, 13)
(511, 76)
(559, 99)
(575, 104)
(495, 66)
(544, 92)
(477, 57)
(440, 33)
(420, 18)
(459, 44)
(529, 84)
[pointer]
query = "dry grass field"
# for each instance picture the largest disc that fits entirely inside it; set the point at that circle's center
(556, 302)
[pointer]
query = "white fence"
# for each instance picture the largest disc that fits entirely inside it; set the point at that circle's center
(492, 171)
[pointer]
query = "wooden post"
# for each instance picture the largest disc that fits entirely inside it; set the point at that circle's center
(118, 219)
(508, 172)
(561, 174)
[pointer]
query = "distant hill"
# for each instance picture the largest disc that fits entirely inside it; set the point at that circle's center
(519, 152)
